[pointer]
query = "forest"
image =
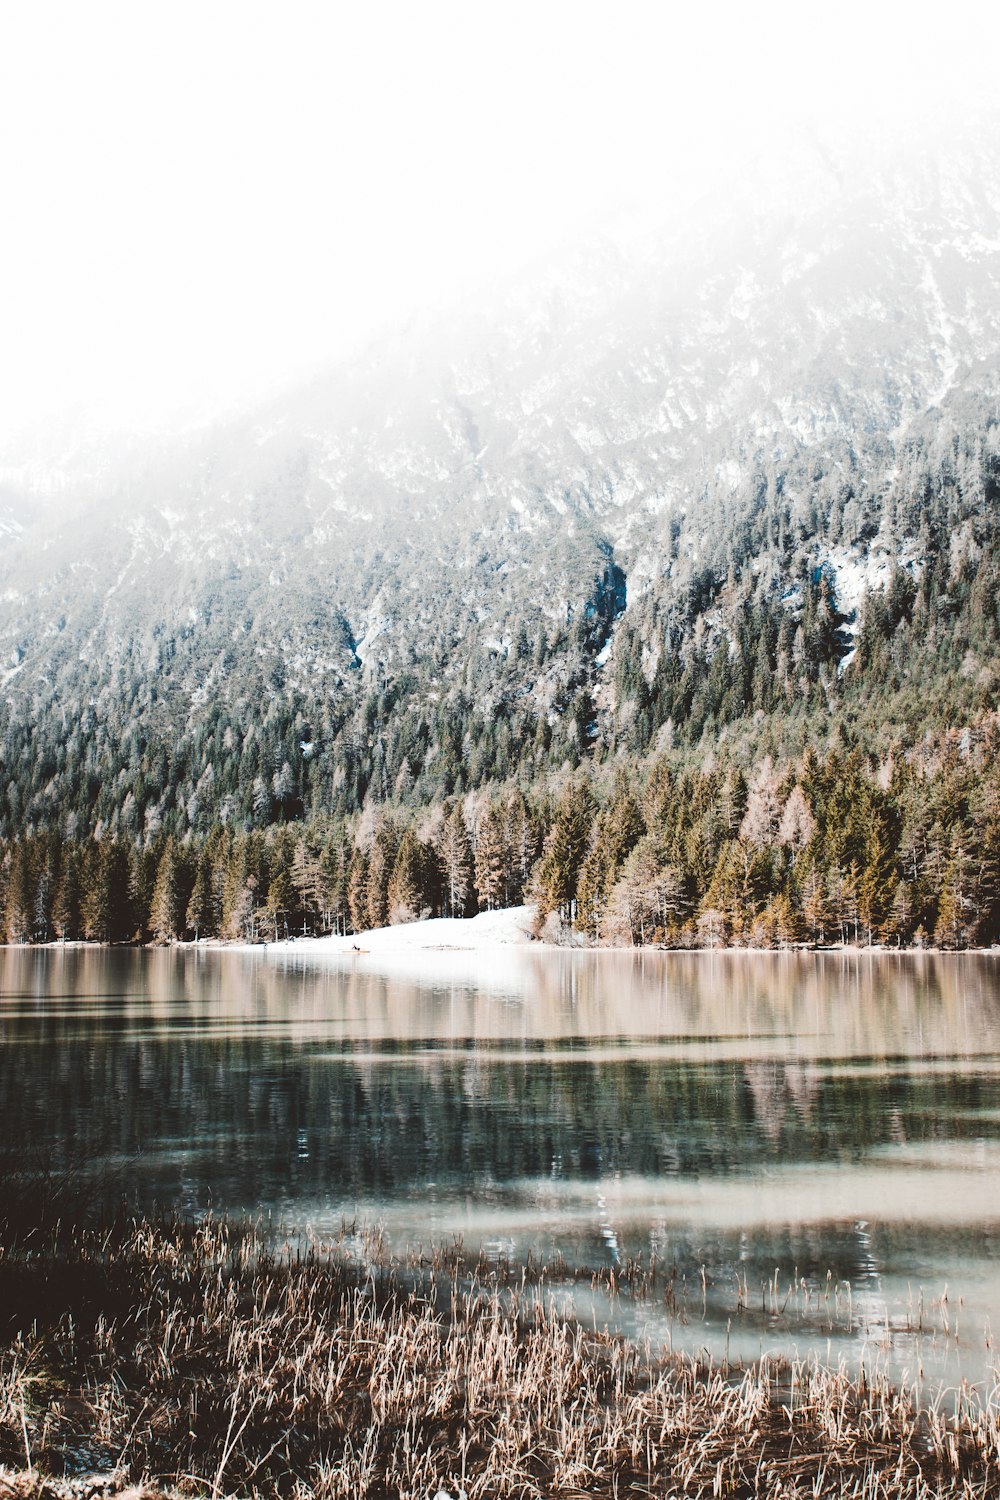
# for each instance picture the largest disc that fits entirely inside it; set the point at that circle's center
(740, 754)
(843, 848)
(745, 636)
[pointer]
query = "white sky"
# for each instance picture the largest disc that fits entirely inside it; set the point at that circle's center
(200, 199)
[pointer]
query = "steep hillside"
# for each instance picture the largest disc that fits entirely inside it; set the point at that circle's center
(743, 463)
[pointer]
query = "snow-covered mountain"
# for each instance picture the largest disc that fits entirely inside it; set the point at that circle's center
(500, 516)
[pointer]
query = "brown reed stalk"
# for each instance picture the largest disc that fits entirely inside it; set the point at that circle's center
(194, 1358)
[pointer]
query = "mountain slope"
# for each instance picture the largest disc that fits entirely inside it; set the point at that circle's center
(641, 495)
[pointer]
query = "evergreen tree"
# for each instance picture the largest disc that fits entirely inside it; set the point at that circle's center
(20, 898)
(455, 856)
(762, 818)
(778, 925)
(46, 880)
(617, 829)
(357, 891)
(814, 907)
(523, 844)
(492, 858)
(281, 901)
(898, 925)
(842, 902)
(562, 856)
(797, 826)
(166, 913)
(878, 881)
(66, 907)
(381, 859)
(108, 912)
(201, 915)
(335, 866)
(308, 878)
(237, 893)
(957, 914)
(405, 898)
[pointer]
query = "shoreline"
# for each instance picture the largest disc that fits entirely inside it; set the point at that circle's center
(170, 1356)
(502, 929)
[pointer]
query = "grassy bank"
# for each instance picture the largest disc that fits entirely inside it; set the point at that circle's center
(192, 1359)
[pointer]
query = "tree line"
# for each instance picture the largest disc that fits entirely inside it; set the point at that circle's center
(844, 847)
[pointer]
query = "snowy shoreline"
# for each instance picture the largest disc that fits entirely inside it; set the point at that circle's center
(514, 927)
(487, 932)
(490, 929)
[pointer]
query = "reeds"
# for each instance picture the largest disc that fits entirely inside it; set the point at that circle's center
(196, 1359)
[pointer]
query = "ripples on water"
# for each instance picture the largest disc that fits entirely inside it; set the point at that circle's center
(834, 1118)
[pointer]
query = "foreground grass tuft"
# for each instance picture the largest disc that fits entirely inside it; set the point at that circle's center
(192, 1359)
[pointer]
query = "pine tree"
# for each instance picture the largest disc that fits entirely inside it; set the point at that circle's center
(797, 825)
(957, 917)
(712, 928)
(778, 925)
(523, 845)
(46, 878)
(307, 875)
(878, 880)
(66, 914)
(597, 877)
(234, 890)
(357, 891)
(898, 925)
(166, 919)
(284, 788)
(108, 912)
(280, 902)
(616, 831)
(200, 916)
(738, 886)
(562, 857)
(648, 899)
(381, 859)
(335, 865)
(20, 900)
(405, 897)
(815, 912)
(842, 900)
(491, 859)
(455, 855)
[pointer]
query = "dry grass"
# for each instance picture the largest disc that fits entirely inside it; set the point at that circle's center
(192, 1359)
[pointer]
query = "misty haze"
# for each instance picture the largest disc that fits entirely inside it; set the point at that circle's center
(500, 785)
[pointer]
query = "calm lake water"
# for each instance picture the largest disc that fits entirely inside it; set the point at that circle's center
(809, 1146)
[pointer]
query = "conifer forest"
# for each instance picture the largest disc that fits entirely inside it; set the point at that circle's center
(677, 615)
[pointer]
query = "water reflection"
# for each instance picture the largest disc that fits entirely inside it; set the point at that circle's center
(836, 1117)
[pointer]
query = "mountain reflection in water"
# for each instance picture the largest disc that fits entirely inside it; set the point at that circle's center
(836, 1117)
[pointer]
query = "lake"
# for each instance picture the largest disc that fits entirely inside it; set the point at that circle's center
(807, 1146)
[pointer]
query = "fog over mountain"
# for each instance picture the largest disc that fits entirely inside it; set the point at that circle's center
(522, 533)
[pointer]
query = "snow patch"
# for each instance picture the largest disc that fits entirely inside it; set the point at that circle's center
(856, 571)
(378, 626)
(730, 474)
(945, 331)
(442, 944)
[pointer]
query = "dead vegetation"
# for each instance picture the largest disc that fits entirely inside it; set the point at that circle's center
(194, 1359)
